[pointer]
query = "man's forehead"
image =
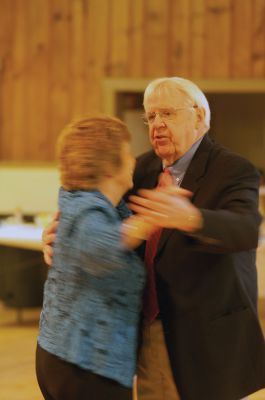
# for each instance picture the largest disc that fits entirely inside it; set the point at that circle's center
(164, 99)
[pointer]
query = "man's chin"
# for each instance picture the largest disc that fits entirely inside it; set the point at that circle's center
(130, 185)
(168, 156)
(163, 152)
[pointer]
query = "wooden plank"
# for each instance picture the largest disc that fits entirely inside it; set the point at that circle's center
(59, 83)
(97, 37)
(136, 38)
(217, 39)
(241, 39)
(258, 40)
(6, 83)
(19, 111)
(37, 81)
(180, 38)
(197, 38)
(119, 35)
(77, 58)
(156, 38)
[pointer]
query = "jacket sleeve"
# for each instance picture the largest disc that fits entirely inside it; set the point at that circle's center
(232, 225)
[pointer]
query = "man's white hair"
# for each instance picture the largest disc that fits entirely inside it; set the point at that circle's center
(186, 86)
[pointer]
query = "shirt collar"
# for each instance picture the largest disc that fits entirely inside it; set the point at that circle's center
(180, 166)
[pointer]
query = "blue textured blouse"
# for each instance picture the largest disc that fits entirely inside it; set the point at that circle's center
(93, 292)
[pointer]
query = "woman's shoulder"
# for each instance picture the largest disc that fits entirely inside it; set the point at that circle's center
(85, 212)
(81, 201)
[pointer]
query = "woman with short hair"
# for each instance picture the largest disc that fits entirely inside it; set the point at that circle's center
(92, 297)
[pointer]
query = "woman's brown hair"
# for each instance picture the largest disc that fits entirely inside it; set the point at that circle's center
(89, 149)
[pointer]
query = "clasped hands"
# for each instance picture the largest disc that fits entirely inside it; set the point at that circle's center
(167, 207)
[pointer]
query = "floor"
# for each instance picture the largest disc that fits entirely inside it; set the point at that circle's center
(17, 352)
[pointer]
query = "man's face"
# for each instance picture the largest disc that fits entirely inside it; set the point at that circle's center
(174, 120)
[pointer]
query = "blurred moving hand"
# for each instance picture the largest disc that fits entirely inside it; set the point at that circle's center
(48, 238)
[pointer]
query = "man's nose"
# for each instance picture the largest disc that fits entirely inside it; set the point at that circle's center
(158, 121)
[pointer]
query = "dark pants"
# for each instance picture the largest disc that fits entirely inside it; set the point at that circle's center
(60, 380)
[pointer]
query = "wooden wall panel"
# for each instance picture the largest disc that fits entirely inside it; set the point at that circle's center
(6, 79)
(217, 38)
(258, 39)
(198, 32)
(118, 54)
(97, 48)
(241, 38)
(179, 37)
(59, 69)
(77, 58)
(136, 39)
(19, 112)
(156, 44)
(36, 136)
(55, 55)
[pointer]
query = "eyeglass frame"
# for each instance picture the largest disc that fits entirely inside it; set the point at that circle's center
(165, 118)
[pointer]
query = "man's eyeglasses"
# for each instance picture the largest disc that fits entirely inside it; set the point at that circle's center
(164, 114)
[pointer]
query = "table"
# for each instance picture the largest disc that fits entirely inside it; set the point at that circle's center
(23, 236)
(22, 268)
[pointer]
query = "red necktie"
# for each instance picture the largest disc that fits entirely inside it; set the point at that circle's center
(150, 301)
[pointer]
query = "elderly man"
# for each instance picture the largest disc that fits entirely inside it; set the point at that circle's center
(201, 336)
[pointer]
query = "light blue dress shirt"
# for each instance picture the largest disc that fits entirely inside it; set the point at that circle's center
(179, 167)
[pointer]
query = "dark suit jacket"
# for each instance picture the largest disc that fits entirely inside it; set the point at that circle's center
(206, 283)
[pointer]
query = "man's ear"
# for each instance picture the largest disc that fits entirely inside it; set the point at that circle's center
(200, 114)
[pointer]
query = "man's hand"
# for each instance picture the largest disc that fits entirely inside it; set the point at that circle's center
(48, 238)
(167, 208)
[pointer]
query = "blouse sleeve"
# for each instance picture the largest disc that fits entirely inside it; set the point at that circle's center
(102, 251)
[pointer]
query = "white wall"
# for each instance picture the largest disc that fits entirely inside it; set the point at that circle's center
(31, 189)
(140, 139)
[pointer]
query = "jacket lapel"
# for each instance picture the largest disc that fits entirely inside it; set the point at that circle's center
(150, 176)
(191, 181)
(197, 167)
